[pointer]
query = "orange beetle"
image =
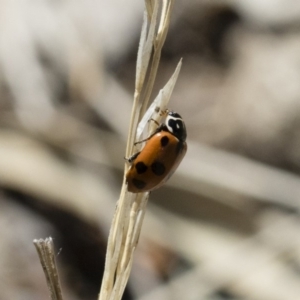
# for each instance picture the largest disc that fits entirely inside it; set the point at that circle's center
(160, 157)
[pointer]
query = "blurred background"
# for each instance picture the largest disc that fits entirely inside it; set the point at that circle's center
(226, 226)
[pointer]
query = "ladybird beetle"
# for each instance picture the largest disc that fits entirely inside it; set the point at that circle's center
(160, 157)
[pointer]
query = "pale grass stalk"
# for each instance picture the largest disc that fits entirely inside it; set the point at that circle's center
(143, 59)
(158, 44)
(131, 208)
(130, 211)
(45, 250)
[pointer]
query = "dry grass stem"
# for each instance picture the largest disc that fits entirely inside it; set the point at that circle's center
(158, 44)
(130, 211)
(46, 254)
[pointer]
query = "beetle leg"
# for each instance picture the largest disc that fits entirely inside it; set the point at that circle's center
(132, 157)
(150, 136)
(142, 141)
(154, 121)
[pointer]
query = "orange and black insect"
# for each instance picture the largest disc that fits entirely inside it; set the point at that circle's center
(160, 157)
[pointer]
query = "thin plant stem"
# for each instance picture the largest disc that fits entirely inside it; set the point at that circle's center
(130, 211)
(45, 250)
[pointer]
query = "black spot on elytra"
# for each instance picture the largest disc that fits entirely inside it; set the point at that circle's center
(164, 141)
(139, 184)
(141, 167)
(158, 168)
